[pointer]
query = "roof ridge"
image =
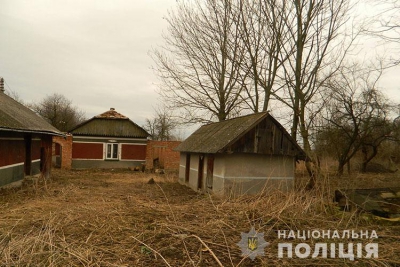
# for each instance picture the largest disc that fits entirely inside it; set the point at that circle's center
(238, 117)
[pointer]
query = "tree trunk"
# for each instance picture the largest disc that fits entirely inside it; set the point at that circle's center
(348, 167)
(340, 168)
(366, 158)
(313, 172)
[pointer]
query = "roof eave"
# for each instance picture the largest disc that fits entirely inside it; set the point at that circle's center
(32, 131)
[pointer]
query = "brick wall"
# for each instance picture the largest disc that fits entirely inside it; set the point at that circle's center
(163, 154)
(66, 150)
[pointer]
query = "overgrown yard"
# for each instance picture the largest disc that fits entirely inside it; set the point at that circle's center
(117, 218)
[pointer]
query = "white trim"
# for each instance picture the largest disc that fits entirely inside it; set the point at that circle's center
(134, 144)
(112, 151)
(133, 160)
(12, 165)
(83, 142)
(109, 138)
(17, 164)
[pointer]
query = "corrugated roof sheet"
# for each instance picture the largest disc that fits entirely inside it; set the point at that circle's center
(16, 117)
(111, 124)
(214, 137)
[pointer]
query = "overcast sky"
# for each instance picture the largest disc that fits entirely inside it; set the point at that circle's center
(96, 53)
(93, 52)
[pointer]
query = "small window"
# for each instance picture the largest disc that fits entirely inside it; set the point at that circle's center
(112, 151)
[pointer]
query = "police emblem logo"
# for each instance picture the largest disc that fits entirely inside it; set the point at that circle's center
(252, 244)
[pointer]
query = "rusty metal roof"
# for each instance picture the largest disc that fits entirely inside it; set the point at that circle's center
(215, 137)
(111, 114)
(110, 124)
(17, 118)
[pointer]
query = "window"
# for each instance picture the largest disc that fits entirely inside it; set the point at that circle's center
(112, 151)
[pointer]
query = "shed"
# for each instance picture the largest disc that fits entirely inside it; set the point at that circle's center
(25, 141)
(244, 155)
(108, 140)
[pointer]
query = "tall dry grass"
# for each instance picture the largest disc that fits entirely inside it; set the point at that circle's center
(104, 218)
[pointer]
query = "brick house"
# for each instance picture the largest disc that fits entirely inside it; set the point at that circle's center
(244, 155)
(108, 140)
(25, 141)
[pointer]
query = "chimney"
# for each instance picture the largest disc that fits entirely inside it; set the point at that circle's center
(1, 85)
(112, 109)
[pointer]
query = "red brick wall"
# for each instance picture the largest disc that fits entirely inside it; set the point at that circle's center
(87, 150)
(12, 152)
(163, 151)
(66, 144)
(133, 152)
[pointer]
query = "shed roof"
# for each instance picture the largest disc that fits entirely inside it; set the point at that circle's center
(17, 118)
(215, 137)
(110, 124)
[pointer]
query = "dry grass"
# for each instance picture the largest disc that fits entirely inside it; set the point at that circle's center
(106, 218)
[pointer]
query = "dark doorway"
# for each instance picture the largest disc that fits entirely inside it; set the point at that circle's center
(187, 168)
(28, 155)
(57, 155)
(201, 171)
(210, 171)
(42, 159)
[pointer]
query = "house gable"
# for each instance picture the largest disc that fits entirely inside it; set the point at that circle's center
(256, 133)
(110, 124)
(266, 137)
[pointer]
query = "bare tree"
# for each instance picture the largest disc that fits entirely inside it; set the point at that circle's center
(162, 127)
(316, 49)
(199, 65)
(263, 32)
(386, 25)
(358, 115)
(14, 95)
(59, 111)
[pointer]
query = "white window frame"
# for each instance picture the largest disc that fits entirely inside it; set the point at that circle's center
(113, 146)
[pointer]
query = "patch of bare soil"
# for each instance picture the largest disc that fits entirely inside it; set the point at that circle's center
(118, 218)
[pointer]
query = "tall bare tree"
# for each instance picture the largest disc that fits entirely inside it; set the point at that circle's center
(317, 49)
(199, 66)
(59, 111)
(264, 34)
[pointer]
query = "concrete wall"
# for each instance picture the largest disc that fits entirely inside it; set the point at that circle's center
(12, 174)
(237, 174)
(252, 173)
(194, 171)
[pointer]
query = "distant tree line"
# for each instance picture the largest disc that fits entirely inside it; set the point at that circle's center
(59, 112)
